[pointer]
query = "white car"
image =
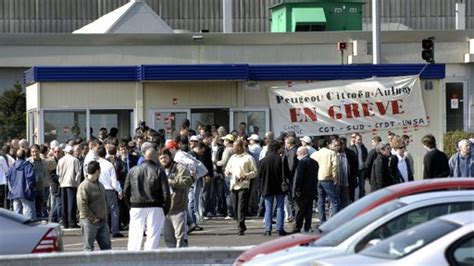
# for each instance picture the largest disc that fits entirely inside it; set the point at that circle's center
(20, 235)
(372, 227)
(448, 240)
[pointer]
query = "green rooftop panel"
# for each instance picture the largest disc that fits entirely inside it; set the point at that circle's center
(316, 15)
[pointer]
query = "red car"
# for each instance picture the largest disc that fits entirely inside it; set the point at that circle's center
(358, 208)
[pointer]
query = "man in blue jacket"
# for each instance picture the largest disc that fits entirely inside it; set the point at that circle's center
(22, 180)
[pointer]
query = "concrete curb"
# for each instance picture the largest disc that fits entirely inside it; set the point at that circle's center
(192, 255)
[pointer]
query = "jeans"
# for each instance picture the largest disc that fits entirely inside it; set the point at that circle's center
(25, 207)
(280, 204)
(113, 210)
(327, 188)
(198, 199)
(219, 183)
(191, 204)
(3, 196)
(92, 232)
(228, 198)
(56, 207)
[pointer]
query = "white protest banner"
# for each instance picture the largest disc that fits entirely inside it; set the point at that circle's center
(346, 106)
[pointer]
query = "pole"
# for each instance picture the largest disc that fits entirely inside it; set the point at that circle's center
(375, 32)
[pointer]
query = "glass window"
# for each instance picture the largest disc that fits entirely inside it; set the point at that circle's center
(32, 127)
(411, 219)
(169, 121)
(351, 211)
(214, 116)
(64, 125)
(256, 122)
(336, 237)
(464, 253)
(410, 240)
(120, 119)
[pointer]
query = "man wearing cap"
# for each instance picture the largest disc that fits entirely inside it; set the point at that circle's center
(228, 152)
(307, 143)
(254, 150)
(69, 173)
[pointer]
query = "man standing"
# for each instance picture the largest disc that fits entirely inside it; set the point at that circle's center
(327, 179)
(270, 175)
(180, 181)
(290, 161)
(93, 210)
(304, 189)
(241, 167)
(371, 156)
(108, 178)
(254, 150)
(361, 154)
(147, 190)
(40, 173)
(69, 173)
(435, 162)
(308, 143)
(461, 164)
(22, 180)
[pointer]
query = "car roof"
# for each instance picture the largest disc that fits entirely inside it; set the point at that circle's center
(462, 218)
(432, 182)
(420, 186)
(439, 194)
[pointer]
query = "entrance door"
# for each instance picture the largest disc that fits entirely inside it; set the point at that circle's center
(210, 116)
(454, 106)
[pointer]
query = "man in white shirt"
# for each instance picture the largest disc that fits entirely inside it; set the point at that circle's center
(108, 178)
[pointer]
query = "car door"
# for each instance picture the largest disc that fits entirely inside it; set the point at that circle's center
(410, 219)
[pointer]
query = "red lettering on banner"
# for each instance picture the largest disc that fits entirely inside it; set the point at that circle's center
(352, 110)
(302, 115)
(367, 109)
(397, 107)
(332, 113)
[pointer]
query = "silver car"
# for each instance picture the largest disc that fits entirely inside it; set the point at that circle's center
(448, 240)
(20, 235)
(372, 227)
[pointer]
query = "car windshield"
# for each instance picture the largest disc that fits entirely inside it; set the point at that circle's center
(351, 211)
(410, 240)
(346, 230)
(14, 216)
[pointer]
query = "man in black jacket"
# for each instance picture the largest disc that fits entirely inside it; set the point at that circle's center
(353, 168)
(435, 162)
(270, 174)
(304, 189)
(147, 190)
(361, 154)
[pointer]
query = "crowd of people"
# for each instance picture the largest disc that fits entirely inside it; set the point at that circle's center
(156, 185)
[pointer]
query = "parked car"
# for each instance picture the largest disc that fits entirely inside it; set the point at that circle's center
(361, 206)
(20, 235)
(447, 240)
(376, 225)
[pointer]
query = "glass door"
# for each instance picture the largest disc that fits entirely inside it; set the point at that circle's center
(454, 106)
(169, 120)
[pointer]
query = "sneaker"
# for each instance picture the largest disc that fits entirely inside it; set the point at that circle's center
(240, 233)
(228, 217)
(282, 233)
(267, 233)
(198, 228)
(191, 228)
(74, 226)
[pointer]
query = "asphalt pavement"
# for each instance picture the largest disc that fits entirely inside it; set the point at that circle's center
(217, 232)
